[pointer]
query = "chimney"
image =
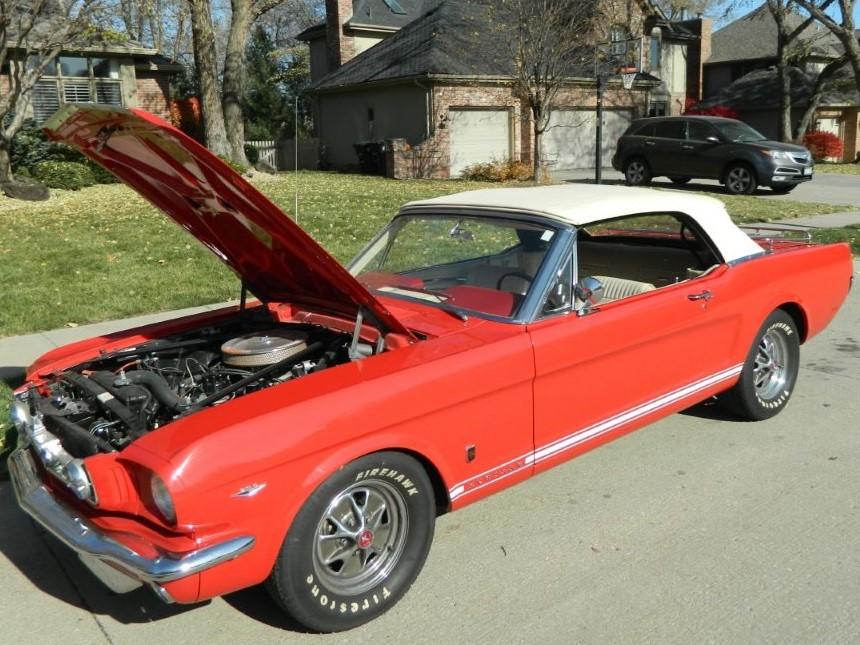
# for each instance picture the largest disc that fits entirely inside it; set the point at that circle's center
(697, 54)
(340, 47)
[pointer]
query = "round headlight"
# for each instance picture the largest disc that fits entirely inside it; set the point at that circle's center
(162, 499)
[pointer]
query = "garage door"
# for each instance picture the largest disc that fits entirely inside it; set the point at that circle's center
(569, 141)
(477, 136)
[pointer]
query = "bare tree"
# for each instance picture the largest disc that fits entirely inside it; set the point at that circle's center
(206, 66)
(825, 76)
(244, 14)
(789, 49)
(32, 35)
(841, 24)
(545, 42)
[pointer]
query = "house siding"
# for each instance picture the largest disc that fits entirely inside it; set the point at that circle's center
(153, 93)
(343, 120)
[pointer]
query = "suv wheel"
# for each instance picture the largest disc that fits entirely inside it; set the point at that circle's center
(740, 179)
(637, 172)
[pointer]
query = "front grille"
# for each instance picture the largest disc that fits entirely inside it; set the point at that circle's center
(800, 158)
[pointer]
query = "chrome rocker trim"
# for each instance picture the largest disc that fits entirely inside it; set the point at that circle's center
(85, 539)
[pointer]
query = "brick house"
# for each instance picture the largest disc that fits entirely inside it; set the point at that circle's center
(740, 73)
(121, 73)
(446, 99)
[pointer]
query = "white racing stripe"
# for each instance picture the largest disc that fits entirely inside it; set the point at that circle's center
(511, 467)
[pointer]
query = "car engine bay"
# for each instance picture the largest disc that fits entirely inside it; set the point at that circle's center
(105, 404)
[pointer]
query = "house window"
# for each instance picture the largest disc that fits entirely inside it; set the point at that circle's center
(655, 56)
(618, 37)
(657, 108)
(76, 79)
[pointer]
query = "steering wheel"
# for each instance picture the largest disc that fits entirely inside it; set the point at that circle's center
(514, 274)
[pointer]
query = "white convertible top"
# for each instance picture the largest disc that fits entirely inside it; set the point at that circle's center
(583, 204)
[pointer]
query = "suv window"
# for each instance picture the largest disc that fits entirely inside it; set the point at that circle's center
(670, 129)
(699, 131)
(645, 130)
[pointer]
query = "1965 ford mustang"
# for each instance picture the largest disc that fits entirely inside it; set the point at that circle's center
(310, 438)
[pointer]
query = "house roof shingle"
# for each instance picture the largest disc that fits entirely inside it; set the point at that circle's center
(385, 15)
(759, 90)
(754, 36)
(450, 39)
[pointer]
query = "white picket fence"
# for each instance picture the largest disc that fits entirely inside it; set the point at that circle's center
(268, 151)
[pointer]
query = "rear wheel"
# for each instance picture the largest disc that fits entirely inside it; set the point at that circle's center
(680, 181)
(740, 179)
(637, 172)
(769, 372)
(357, 544)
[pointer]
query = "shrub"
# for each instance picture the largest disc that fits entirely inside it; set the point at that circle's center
(31, 146)
(823, 144)
(101, 175)
(67, 175)
(252, 154)
(235, 166)
(506, 170)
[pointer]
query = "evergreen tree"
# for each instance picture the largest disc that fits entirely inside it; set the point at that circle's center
(268, 107)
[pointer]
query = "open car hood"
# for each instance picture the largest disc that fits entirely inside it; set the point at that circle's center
(277, 260)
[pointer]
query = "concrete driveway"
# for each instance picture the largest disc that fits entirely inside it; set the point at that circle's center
(826, 188)
(695, 529)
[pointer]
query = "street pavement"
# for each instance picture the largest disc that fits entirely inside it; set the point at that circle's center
(697, 529)
(825, 188)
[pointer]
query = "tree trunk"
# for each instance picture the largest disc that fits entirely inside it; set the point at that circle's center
(203, 35)
(234, 79)
(815, 98)
(538, 156)
(5, 163)
(783, 75)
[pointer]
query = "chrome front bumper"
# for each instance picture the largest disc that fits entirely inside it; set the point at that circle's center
(103, 555)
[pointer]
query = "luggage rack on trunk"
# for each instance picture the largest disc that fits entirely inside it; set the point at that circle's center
(770, 236)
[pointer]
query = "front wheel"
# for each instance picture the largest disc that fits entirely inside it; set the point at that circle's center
(357, 544)
(740, 179)
(769, 372)
(637, 172)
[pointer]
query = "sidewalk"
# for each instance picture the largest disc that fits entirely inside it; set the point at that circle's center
(17, 352)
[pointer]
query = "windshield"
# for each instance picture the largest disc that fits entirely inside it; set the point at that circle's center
(738, 131)
(482, 265)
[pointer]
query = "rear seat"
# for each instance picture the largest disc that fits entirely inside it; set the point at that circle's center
(618, 288)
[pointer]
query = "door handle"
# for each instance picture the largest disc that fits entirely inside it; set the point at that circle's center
(702, 295)
(649, 143)
(687, 147)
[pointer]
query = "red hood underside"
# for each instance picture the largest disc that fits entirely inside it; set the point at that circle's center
(277, 260)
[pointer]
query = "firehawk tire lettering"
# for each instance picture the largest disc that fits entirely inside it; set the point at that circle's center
(357, 544)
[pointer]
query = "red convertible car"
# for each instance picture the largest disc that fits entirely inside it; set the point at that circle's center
(310, 437)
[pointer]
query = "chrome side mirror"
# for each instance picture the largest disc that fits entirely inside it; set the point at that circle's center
(589, 291)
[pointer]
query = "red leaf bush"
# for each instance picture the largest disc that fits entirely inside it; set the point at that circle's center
(823, 144)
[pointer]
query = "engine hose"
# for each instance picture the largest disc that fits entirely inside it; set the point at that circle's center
(256, 376)
(155, 383)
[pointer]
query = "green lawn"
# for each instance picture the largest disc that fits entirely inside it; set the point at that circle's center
(103, 253)
(838, 168)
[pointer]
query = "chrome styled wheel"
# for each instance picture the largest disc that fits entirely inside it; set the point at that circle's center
(770, 371)
(740, 180)
(361, 537)
(357, 543)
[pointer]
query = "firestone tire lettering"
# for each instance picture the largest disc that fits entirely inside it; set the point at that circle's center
(320, 600)
(744, 398)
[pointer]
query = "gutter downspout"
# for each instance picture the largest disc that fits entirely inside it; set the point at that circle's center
(429, 129)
